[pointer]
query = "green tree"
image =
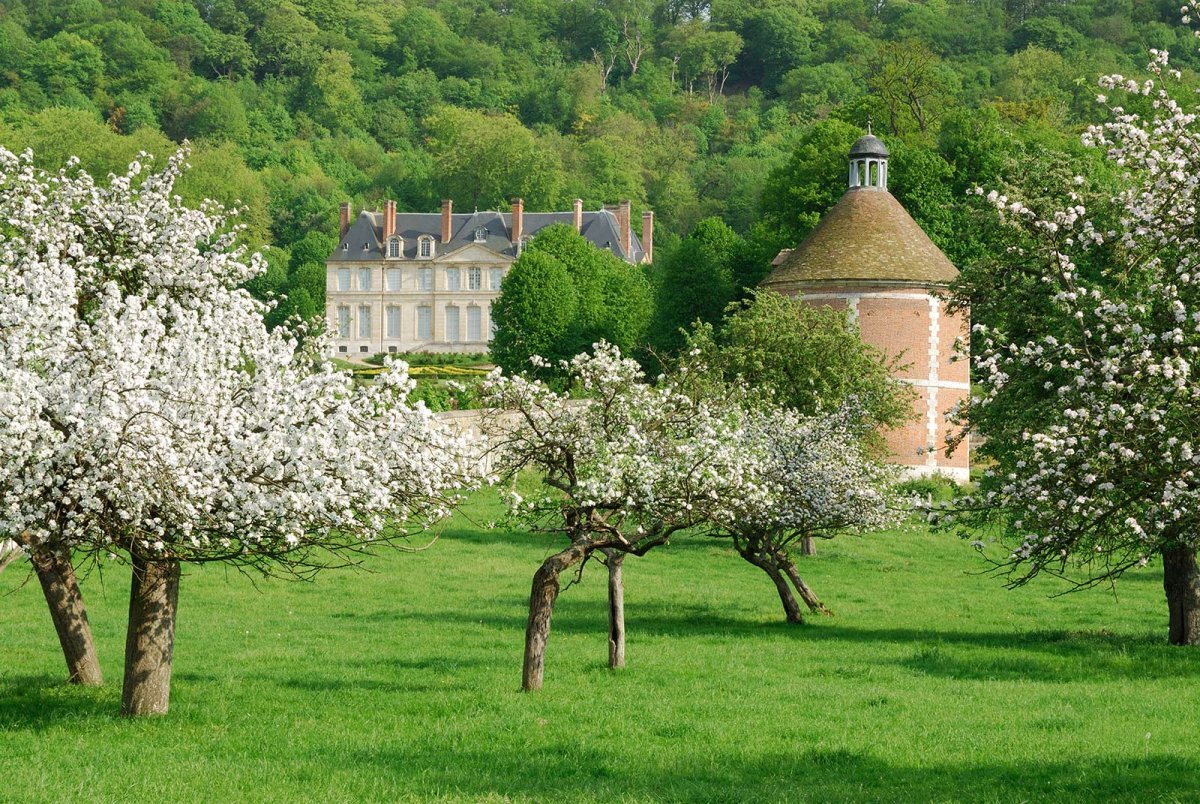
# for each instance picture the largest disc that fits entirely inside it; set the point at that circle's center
(695, 283)
(796, 195)
(482, 161)
(573, 296)
(535, 308)
(804, 357)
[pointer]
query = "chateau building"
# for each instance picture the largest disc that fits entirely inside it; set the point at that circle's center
(869, 257)
(414, 282)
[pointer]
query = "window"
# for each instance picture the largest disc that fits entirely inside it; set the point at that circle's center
(452, 330)
(364, 278)
(363, 349)
(343, 322)
(343, 349)
(474, 278)
(474, 323)
(426, 247)
(393, 321)
(424, 323)
(393, 278)
(425, 279)
(395, 247)
(491, 324)
(343, 278)
(364, 321)
(495, 276)
(452, 279)
(481, 235)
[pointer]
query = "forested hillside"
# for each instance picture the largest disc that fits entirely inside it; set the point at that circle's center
(728, 108)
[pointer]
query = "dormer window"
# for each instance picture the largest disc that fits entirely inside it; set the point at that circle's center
(481, 235)
(366, 246)
(425, 247)
(345, 247)
(395, 248)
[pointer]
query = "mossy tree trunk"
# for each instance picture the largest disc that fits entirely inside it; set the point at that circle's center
(542, 598)
(767, 563)
(60, 587)
(803, 589)
(150, 640)
(1181, 582)
(616, 608)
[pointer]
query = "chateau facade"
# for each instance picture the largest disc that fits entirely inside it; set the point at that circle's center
(426, 282)
(869, 257)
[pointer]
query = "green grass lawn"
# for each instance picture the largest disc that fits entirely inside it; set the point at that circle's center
(931, 682)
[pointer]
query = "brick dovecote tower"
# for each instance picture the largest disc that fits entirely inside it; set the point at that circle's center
(869, 257)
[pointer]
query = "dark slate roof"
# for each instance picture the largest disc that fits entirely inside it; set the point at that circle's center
(867, 235)
(363, 239)
(868, 145)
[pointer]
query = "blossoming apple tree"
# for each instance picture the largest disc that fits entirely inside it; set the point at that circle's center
(1088, 387)
(146, 412)
(623, 463)
(798, 477)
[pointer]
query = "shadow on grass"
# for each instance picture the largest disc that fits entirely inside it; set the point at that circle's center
(36, 702)
(1048, 655)
(807, 774)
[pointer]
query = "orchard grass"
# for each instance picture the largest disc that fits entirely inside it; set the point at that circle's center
(401, 683)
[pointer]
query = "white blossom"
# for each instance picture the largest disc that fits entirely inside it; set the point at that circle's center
(145, 406)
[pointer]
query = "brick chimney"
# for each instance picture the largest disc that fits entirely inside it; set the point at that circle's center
(447, 221)
(648, 236)
(578, 216)
(518, 222)
(389, 220)
(343, 218)
(625, 230)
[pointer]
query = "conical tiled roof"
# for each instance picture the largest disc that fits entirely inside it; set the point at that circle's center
(866, 236)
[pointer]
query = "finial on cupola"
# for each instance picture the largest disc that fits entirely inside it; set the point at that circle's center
(868, 162)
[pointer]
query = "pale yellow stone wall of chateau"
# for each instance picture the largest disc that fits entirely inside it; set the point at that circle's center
(405, 329)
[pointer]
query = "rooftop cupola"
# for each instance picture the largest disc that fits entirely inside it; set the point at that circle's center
(868, 162)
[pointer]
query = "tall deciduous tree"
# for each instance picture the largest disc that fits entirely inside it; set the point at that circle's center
(483, 160)
(697, 281)
(1087, 385)
(147, 412)
(564, 294)
(803, 357)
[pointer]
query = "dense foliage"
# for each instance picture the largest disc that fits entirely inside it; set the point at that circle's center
(798, 356)
(561, 296)
(694, 109)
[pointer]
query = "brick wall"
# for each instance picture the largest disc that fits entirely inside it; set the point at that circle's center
(908, 321)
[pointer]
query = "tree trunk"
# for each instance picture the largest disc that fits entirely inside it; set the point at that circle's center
(806, 593)
(616, 608)
(808, 547)
(1181, 581)
(790, 607)
(541, 608)
(61, 589)
(10, 551)
(150, 641)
